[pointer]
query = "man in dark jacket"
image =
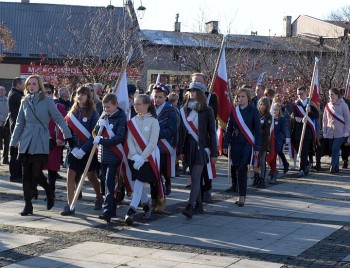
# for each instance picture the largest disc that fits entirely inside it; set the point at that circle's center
(14, 101)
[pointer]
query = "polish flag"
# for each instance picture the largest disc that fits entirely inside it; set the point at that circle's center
(221, 89)
(315, 98)
(271, 156)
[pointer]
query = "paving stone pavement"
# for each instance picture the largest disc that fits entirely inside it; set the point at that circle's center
(295, 223)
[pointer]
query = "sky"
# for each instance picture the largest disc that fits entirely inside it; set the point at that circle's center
(234, 16)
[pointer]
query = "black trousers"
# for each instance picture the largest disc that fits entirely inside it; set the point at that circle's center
(304, 153)
(5, 141)
(32, 172)
(15, 166)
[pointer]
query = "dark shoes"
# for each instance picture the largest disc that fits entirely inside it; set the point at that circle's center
(207, 197)
(286, 168)
(345, 164)
(5, 161)
(301, 174)
(105, 217)
(16, 180)
(50, 199)
(129, 217)
(167, 188)
(198, 208)
(188, 211)
(28, 210)
(256, 179)
(334, 169)
(66, 211)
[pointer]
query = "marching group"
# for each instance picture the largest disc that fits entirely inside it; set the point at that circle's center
(120, 151)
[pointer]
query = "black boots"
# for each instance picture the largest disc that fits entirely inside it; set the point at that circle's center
(188, 211)
(167, 186)
(28, 209)
(50, 199)
(334, 169)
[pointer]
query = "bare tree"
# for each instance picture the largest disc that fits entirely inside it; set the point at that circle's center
(6, 39)
(342, 14)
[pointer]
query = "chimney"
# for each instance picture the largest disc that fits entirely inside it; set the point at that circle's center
(25, 1)
(212, 27)
(177, 25)
(287, 26)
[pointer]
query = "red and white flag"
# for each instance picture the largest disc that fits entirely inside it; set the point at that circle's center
(315, 98)
(221, 89)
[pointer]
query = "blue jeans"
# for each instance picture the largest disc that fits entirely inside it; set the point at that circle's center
(336, 144)
(109, 172)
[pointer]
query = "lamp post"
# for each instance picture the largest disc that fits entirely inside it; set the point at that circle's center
(141, 11)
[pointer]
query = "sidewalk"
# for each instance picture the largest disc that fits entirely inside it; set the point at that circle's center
(296, 223)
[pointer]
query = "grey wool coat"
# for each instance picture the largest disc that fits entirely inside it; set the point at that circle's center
(30, 135)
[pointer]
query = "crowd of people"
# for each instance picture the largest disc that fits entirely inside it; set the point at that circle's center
(119, 152)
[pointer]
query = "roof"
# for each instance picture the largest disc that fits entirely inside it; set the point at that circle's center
(46, 29)
(169, 38)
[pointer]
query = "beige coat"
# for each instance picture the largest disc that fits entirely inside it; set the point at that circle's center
(149, 128)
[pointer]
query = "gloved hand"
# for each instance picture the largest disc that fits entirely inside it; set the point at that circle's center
(304, 119)
(324, 135)
(74, 151)
(103, 122)
(139, 161)
(97, 139)
(70, 142)
(79, 154)
(297, 119)
(13, 151)
(287, 141)
(346, 135)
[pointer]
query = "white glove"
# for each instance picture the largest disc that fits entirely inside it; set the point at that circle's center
(97, 139)
(297, 119)
(139, 161)
(134, 157)
(103, 122)
(79, 154)
(324, 135)
(74, 151)
(287, 141)
(346, 135)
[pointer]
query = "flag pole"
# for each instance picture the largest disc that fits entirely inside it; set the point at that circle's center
(347, 86)
(94, 147)
(217, 63)
(307, 109)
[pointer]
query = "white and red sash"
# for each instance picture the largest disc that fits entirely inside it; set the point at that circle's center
(170, 157)
(254, 160)
(243, 126)
(191, 128)
(119, 151)
(153, 158)
(334, 114)
(77, 127)
(302, 114)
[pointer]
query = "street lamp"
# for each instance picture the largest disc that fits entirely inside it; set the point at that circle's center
(141, 10)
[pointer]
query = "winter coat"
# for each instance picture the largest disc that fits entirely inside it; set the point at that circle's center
(117, 124)
(265, 124)
(168, 122)
(89, 124)
(55, 154)
(149, 128)
(280, 133)
(332, 128)
(31, 134)
(14, 102)
(4, 110)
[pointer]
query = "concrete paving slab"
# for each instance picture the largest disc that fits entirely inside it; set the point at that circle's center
(83, 255)
(244, 263)
(14, 240)
(246, 234)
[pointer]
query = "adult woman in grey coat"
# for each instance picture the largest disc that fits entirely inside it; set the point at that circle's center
(31, 136)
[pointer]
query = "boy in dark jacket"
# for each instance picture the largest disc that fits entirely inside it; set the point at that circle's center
(114, 132)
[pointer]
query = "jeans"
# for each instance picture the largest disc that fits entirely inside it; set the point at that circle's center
(109, 172)
(336, 144)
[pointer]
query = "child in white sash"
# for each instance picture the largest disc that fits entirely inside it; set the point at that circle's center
(197, 137)
(142, 129)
